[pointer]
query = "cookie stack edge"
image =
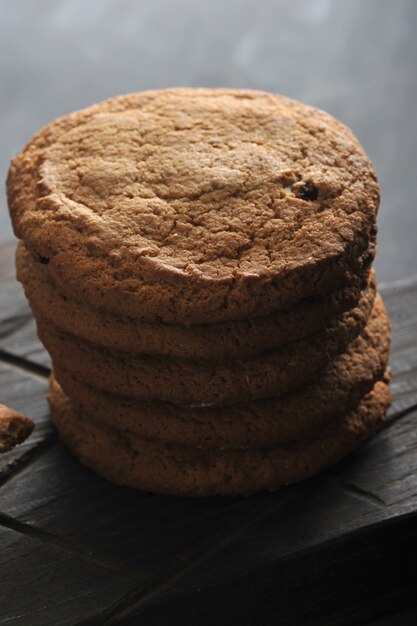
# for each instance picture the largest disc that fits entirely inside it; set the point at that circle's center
(199, 266)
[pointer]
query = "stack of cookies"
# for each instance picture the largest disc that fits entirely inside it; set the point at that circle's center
(199, 266)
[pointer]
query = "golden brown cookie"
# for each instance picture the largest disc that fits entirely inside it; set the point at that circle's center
(14, 428)
(196, 205)
(204, 341)
(167, 468)
(186, 381)
(338, 389)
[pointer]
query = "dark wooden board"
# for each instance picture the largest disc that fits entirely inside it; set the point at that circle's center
(45, 583)
(336, 549)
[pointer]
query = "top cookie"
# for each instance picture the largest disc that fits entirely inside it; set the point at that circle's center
(196, 205)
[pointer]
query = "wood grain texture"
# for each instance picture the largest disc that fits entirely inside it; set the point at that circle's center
(43, 583)
(333, 550)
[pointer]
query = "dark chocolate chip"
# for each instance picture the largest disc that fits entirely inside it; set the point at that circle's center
(308, 191)
(43, 259)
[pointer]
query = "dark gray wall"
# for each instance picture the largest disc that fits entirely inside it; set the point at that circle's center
(355, 59)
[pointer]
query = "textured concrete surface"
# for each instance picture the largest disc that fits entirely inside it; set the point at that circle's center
(354, 59)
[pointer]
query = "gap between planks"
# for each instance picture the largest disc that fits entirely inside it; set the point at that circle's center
(24, 364)
(21, 463)
(24, 528)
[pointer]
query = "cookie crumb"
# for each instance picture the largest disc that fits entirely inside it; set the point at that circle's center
(308, 191)
(14, 428)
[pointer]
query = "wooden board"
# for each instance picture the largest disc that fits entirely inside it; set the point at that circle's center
(75, 549)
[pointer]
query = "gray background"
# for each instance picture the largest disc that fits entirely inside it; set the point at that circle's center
(355, 59)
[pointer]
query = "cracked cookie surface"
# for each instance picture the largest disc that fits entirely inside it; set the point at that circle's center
(196, 205)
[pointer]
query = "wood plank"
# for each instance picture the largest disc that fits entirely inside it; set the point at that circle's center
(342, 582)
(46, 584)
(401, 301)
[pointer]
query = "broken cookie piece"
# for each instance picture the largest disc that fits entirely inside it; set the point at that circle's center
(14, 428)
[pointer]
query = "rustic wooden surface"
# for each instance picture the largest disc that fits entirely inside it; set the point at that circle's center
(75, 549)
